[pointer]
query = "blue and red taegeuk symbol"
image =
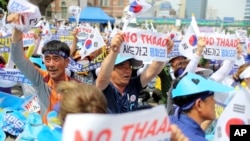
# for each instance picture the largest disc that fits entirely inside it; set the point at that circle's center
(192, 40)
(88, 43)
(135, 7)
(172, 35)
(233, 121)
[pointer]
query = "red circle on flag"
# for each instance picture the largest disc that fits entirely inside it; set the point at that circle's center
(233, 121)
(88, 44)
(193, 40)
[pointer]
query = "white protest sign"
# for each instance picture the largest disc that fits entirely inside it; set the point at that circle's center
(221, 47)
(28, 39)
(32, 104)
(92, 43)
(144, 125)
(144, 45)
(75, 11)
(241, 34)
(30, 14)
(175, 51)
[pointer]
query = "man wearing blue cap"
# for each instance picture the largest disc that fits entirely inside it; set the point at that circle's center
(114, 78)
(194, 96)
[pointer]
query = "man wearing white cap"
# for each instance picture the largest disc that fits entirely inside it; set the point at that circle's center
(115, 80)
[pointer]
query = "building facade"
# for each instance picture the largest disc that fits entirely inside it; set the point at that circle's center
(196, 7)
(247, 11)
(58, 9)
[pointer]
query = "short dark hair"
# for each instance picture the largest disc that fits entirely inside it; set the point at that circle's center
(56, 46)
(184, 100)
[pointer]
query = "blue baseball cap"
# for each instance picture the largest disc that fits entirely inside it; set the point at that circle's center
(120, 59)
(192, 83)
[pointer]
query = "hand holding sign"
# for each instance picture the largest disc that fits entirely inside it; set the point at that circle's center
(201, 45)
(29, 14)
(116, 42)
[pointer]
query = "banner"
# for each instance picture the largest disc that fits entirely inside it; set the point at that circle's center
(144, 45)
(144, 125)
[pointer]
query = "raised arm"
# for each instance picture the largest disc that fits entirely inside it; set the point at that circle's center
(226, 67)
(107, 66)
(192, 65)
(155, 67)
(17, 54)
(74, 43)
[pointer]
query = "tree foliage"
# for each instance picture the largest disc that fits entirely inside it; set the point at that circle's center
(3, 4)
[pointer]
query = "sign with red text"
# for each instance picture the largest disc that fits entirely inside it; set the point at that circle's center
(29, 14)
(144, 125)
(28, 39)
(145, 45)
(221, 47)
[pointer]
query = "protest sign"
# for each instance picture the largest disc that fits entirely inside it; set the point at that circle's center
(75, 11)
(144, 45)
(146, 125)
(13, 75)
(221, 47)
(28, 39)
(30, 14)
(175, 51)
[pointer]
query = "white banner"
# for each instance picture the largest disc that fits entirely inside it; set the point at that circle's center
(144, 125)
(145, 45)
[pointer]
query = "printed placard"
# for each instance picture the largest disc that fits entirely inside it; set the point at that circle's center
(145, 45)
(28, 39)
(145, 125)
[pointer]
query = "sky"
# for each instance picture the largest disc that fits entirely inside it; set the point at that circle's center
(225, 8)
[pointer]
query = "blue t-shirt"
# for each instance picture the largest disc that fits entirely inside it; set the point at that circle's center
(118, 103)
(189, 127)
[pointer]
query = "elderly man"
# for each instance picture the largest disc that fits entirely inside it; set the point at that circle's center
(114, 78)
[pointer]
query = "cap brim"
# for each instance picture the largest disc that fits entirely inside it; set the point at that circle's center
(135, 63)
(193, 84)
(203, 71)
(172, 58)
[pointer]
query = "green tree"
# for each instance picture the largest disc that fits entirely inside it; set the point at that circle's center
(3, 4)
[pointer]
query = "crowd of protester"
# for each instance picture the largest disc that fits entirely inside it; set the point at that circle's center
(188, 86)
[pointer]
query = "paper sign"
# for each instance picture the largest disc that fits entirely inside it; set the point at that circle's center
(75, 11)
(145, 125)
(31, 105)
(221, 47)
(30, 14)
(28, 39)
(13, 75)
(144, 45)
(175, 51)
